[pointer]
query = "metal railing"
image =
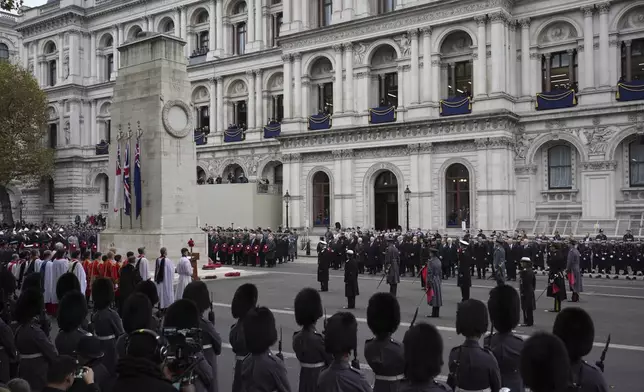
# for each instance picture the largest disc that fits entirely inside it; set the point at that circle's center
(568, 225)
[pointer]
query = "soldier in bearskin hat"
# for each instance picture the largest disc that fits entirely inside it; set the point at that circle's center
(149, 289)
(106, 322)
(308, 343)
(576, 329)
(423, 347)
(35, 348)
(67, 283)
(198, 293)
(544, 366)
(262, 370)
(340, 339)
(384, 354)
(72, 311)
(244, 300)
(504, 308)
(137, 314)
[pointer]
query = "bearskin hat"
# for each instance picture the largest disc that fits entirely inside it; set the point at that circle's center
(198, 293)
(102, 293)
(576, 329)
(341, 334)
(383, 314)
(471, 318)
(72, 310)
(259, 330)
(544, 364)
(32, 281)
(7, 281)
(137, 312)
(423, 353)
(148, 288)
(504, 306)
(245, 299)
(308, 307)
(182, 314)
(67, 283)
(29, 305)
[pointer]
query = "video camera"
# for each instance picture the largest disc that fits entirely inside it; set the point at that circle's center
(183, 347)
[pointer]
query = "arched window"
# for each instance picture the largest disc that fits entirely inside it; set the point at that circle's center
(50, 191)
(106, 189)
(109, 42)
(240, 39)
(4, 52)
(457, 198)
(202, 18)
(559, 71)
(201, 176)
(386, 201)
(50, 48)
(321, 199)
(168, 27)
(321, 99)
(383, 65)
(560, 167)
(456, 54)
(633, 60)
(636, 164)
(240, 8)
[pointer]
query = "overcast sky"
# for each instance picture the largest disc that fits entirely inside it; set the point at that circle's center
(34, 3)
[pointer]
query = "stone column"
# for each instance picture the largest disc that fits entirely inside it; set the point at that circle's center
(337, 85)
(296, 23)
(212, 26)
(250, 36)
(547, 57)
(288, 83)
(93, 67)
(525, 57)
(115, 52)
(297, 89)
(219, 15)
(305, 15)
(259, 93)
(589, 69)
(336, 213)
(498, 53)
(336, 17)
(286, 13)
(348, 193)
(25, 53)
(184, 30)
(121, 33)
(41, 69)
(401, 84)
(177, 22)
(220, 105)
(94, 137)
(436, 78)
(306, 98)
(250, 76)
(415, 85)
(513, 89)
(425, 185)
(74, 54)
(427, 65)
(629, 60)
(61, 58)
(349, 102)
(74, 121)
(614, 49)
(604, 9)
(295, 210)
(480, 84)
(213, 113)
(259, 26)
(535, 72)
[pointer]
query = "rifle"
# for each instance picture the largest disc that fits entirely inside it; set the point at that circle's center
(600, 363)
(413, 320)
(325, 319)
(279, 347)
(211, 314)
(383, 277)
(355, 363)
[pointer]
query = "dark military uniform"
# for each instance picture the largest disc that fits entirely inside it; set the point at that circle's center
(308, 345)
(238, 343)
(67, 342)
(36, 353)
(431, 386)
(108, 327)
(351, 289)
(341, 377)
(587, 377)
(211, 349)
(264, 373)
(8, 353)
(387, 360)
(475, 367)
(506, 348)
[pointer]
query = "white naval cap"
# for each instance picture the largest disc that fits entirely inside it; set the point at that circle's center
(349, 252)
(464, 243)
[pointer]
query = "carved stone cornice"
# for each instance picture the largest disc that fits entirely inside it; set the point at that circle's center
(525, 169)
(296, 157)
(297, 56)
(588, 11)
(604, 8)
(480, 20)
(599, 166)
(525, 23)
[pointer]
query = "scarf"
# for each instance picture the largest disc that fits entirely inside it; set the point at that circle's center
(159, 274)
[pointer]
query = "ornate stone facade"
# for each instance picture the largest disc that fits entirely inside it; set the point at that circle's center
(522, 165)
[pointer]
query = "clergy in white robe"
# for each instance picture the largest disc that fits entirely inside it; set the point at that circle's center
(184, 269)
(164, 277)
(142, 265)
(76, 267)
(54, 270)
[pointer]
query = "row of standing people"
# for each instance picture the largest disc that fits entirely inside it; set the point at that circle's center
(251, 248)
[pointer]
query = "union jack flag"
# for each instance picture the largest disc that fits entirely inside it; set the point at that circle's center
(126, 181)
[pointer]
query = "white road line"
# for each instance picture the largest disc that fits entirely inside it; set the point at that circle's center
(363, 366)
(452, 329)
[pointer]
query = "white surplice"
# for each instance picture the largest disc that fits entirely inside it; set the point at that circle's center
(184, 269)
(79, 271)
(164, 289)
(53, 270)
(143, 267)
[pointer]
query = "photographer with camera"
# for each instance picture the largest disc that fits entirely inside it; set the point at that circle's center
(62, 373)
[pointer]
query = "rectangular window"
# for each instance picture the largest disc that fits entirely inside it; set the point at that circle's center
(241, 38)
(325, 98)
(241, 114)
(325, 12)
(278, 107)
(385, 6)
(203, 117)
(108, 130)
(388, 89)
(110, 67)
(277, 25)
(53, 75)
(460, 79)
(560, 167)
(563, 71)
(53, 136)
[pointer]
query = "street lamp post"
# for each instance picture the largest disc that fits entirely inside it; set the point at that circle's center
(407, 196)
(287, 199)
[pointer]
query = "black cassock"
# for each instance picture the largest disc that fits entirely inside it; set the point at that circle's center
(324, 261)
(351, 278)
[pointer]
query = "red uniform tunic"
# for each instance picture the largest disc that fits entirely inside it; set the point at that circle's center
(87, 266)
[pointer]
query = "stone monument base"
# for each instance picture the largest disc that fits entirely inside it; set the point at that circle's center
(131, 239)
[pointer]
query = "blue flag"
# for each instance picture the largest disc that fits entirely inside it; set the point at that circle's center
(137, 179)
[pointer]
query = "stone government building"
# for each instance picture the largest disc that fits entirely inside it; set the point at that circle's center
(502, 162)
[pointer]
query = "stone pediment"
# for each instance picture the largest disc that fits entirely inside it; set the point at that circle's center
(397, 22)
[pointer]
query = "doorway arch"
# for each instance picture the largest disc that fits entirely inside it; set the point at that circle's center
(5, 207)
(385, 189)
(457, 196)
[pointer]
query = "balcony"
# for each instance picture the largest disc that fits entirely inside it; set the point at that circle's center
(272, 130)
(201, 135)
(266, 189)
(320, 121)
(102, 148)
(234, 133)
(454, 106)
(630, 91)
(557, 99)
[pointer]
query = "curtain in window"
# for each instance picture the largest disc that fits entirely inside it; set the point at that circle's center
(636, 155)
(560, 167)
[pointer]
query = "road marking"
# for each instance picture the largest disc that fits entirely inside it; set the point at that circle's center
(452, 329)
(363, 366)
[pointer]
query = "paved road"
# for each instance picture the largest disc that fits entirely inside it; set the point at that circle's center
(617, 307)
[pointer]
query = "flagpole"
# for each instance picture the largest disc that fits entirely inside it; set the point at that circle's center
(119, 138)
(129, 179)
(139, 133)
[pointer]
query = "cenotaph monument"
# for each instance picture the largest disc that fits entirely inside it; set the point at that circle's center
(151, 104)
